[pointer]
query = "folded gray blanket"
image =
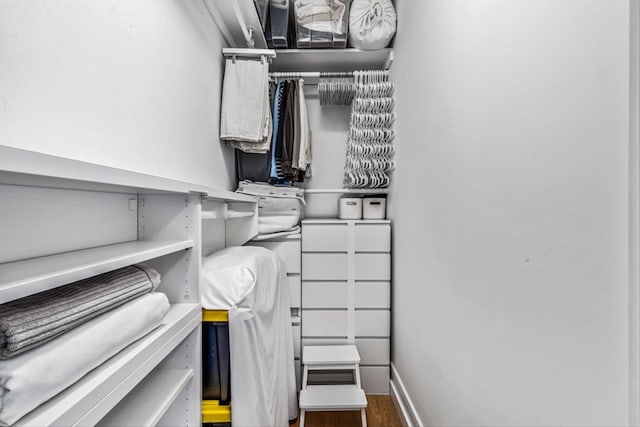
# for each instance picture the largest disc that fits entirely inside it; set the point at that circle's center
(31, 321)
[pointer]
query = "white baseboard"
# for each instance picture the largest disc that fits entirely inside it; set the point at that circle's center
(402, 401)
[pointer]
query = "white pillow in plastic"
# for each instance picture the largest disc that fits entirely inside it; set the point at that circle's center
(372, 24)
(229, 276)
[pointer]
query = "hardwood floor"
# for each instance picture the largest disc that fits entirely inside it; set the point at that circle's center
(380, 413)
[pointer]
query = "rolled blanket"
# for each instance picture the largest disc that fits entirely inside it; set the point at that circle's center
(28, 322)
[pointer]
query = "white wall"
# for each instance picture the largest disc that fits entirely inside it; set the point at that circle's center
(329, 127)
(510, 208)
(128, 84)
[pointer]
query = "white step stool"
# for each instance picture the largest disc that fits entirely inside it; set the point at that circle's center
(349, 397)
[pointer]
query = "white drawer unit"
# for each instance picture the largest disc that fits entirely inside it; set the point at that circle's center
(325, 238)
(372, 323)
(325, 294)
(372, 266)
(346, 291)
(324, 266)
(324, 323)
(335, 266)
(373, 294)
(335, 323)
(372, 237)
(336, 294)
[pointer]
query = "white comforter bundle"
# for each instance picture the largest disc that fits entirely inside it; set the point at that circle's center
(250, 282)
(280, 208)
(31, 378)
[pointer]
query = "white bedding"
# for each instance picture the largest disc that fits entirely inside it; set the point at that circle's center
(250, 282)
(33, 377)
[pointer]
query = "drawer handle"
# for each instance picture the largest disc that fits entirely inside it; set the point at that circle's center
(351, 203)
(374, 203)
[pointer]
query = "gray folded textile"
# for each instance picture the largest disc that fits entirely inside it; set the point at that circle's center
(33, 320)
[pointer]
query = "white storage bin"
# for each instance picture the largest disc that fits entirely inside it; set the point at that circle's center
(374, 208)
(350, 208)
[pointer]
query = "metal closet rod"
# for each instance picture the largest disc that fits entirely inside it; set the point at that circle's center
(310, 74)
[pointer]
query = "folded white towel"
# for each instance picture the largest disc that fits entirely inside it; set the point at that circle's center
(245, 96)
(35, 376)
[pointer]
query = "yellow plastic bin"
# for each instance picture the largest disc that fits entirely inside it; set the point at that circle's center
(216, 404)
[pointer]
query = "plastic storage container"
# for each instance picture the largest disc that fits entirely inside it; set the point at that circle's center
(278, 26)
(350, 208)
(321, 23)
(374, 208)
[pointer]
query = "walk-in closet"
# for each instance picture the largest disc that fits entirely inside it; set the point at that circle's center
(319, 213)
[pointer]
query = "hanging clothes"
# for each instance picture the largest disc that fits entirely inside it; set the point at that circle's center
(304, 153)
(289, 137)
(245, 116)
(279, 104)
(295, 151)
(288, 159)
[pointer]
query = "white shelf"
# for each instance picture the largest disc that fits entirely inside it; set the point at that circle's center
(25, 167)
(87, 401)
(346, 191)
(331, 59)
(21, 278)
(147, 403)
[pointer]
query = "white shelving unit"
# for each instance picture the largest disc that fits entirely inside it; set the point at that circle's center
(156, 379)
